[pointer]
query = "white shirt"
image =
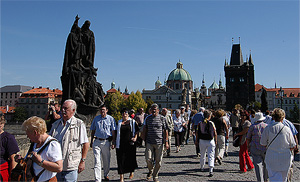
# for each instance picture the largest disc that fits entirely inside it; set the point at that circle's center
(51, 153)
(278, 156)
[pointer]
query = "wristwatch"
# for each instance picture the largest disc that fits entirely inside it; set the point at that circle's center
(41, 163)
(83, 159)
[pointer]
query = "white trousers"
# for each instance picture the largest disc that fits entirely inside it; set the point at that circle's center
(220, 147)
(209, 147)
(101, 149)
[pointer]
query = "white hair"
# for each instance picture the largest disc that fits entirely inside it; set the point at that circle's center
(74, 105)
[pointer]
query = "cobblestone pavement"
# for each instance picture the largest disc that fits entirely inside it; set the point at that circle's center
(182, 166)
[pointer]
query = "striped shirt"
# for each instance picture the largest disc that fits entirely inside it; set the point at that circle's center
(155, 126)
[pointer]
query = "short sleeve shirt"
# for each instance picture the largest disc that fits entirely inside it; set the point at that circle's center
(51, 153)
(155, 126)
(8, 146)
(103, 126)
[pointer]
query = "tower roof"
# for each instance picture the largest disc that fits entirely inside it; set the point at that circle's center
(236, 55)
(179, 74)
(214, 85)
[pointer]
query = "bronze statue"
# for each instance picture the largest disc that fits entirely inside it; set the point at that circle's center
(78, 73)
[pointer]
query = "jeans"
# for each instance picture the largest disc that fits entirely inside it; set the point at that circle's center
(209, 146)
(156, 151)
(68, 176)
(258, 157)
(101, 150)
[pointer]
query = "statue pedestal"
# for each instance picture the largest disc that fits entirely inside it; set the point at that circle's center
(87, 113)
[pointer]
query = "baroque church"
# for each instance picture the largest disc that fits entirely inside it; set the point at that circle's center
(178, 89)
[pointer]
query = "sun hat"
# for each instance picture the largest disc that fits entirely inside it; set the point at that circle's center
(259, 116)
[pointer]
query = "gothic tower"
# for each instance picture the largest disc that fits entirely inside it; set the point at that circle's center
(240, 86)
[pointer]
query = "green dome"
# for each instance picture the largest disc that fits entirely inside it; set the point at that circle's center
(179, 74)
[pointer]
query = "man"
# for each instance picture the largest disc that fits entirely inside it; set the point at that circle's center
(71, 134)
(268, 119)
(185, 131)
(155, 134)
(103, 130)
(139, 118)
(234, 121)
(53, 114)
(170, 124)
(196, 120)
(188, 113)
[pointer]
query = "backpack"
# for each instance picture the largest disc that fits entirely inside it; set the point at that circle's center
(24, 169)
(205, 130)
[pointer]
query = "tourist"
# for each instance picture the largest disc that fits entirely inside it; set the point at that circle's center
(170, 125)
(103, 137)
(53, 114)
(268, 119)
(234, 121)
(257, 151)
(47, 162)
(185, 116)
(188, 125)
(279, 141)
(197, 118)
(221, 129)
(139, 118)
(179, 125)
(127, 132)
(155, 134)
(71, 134)
(9, 148)
(226, 118)
(243, 153)
(206, 138)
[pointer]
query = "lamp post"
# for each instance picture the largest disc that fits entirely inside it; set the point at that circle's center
(167, 96)
(281, 96)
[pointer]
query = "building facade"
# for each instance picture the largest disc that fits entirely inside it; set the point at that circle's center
(36, 101)
(10, 94)
(284, 98)
(240, 84)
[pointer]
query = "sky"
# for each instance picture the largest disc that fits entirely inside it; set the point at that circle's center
(139, 41)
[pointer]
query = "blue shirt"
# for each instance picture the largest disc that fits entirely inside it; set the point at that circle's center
(197, 118)
(290, 125)
(103, 126)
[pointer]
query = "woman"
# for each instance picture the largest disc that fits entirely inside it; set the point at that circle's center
(206, 138)
(280, 142)
(243, 153)
(8, 149)
(257, 151)
(222, 134)
(127, 132)
(50, 158)
(179, 125)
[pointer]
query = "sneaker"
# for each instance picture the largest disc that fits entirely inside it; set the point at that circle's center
(155, 180)
(106, 178)
(202, 169)
(210, 174)
(250, 169)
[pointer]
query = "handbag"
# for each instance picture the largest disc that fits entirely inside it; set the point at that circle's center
(236, 141)
(24, 169)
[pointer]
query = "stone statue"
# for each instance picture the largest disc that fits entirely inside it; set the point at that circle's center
(184, 94)
(78, 73)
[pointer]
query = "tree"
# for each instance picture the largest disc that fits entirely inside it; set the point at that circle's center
(149, 102)
(114, 103)
(135, 101)
(264, 103)
(20, 114)
(295, 114)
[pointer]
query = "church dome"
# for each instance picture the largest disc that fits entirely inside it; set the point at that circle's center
(179, 74)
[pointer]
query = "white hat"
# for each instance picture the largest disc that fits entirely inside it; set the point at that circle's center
(259, 116)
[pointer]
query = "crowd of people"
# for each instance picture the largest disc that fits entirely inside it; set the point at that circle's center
(59, 152)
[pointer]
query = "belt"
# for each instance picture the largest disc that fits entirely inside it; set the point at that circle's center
(100, 138)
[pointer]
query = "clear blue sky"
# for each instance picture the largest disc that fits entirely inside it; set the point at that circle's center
(137, 41)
